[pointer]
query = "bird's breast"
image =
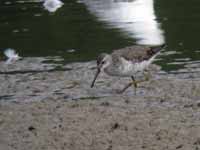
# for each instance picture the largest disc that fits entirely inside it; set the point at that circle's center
(123, 69)
(126, 68)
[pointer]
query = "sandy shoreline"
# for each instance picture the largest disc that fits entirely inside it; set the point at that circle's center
(121, 123)
(64, 113)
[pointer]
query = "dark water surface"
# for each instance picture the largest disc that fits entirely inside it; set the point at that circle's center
(80, 30)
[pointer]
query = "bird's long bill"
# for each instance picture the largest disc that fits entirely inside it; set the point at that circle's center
(95, 77)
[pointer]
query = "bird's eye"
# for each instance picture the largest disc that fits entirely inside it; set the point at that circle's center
(103, 62)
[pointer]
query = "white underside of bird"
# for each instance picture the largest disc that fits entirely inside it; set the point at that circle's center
(11, 55)
(52, 5)
(127, 68)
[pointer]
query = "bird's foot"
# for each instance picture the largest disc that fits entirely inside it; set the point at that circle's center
(134, 83)
(124, 89)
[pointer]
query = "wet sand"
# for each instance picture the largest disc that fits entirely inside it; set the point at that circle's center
(56, 109)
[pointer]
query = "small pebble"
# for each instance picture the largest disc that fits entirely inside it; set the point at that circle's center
(105, 104)
(115, 126)
(31, 128)
(180, 146)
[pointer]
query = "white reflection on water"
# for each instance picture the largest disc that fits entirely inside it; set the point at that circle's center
(137, 18)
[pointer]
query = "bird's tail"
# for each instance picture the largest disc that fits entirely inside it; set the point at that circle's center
(156, 49)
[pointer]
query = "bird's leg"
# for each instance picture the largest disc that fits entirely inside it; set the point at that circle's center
(134, 82)
(124, 89)
(146, 77)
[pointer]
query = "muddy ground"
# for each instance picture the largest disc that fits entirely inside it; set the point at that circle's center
(47, 107)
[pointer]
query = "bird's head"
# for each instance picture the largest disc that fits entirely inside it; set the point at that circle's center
(103, 60)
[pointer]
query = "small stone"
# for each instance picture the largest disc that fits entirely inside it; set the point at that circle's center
(31, 128)
(105, 104)
(188, 105)
(143, 146)
(162, 100)
(127, 101)
(115, 126)
(180, 146)
(66, 97)
(197, 142)
(110, 147)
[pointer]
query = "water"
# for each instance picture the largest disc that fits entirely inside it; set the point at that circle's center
(80, 30)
